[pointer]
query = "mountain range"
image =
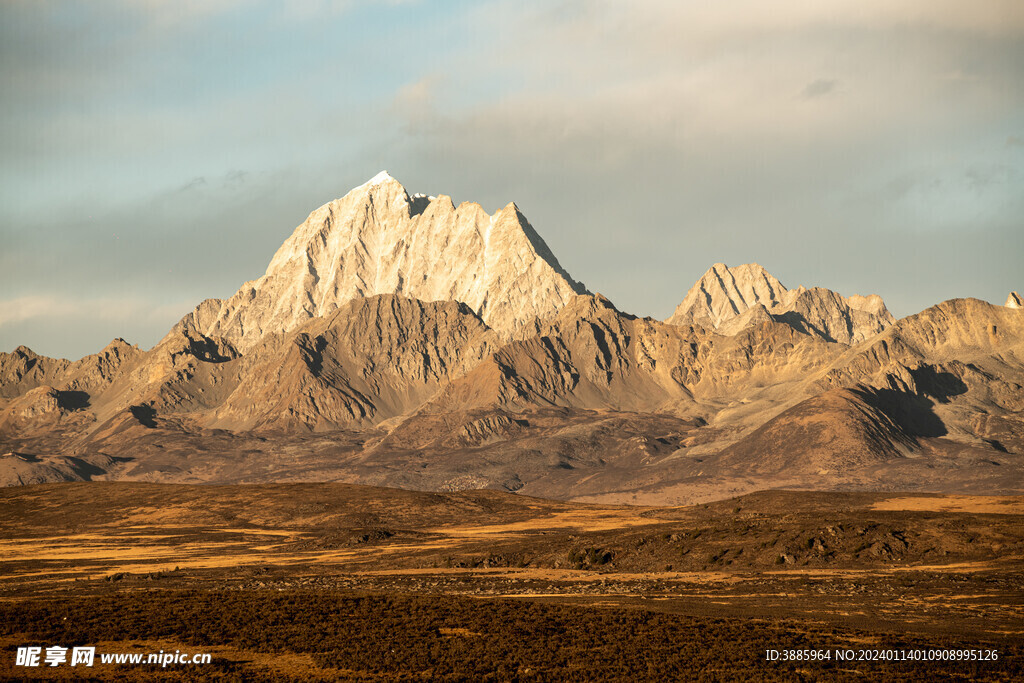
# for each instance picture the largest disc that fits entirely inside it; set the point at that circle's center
(400, 340)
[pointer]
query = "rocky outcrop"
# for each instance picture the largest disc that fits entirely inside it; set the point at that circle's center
(23, 370)
(39, 408)
(730, 299)
(379, 240)
(1014, 301)
(833, 317)
(186, 371)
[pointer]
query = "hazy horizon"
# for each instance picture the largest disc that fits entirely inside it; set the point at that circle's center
(157, 154)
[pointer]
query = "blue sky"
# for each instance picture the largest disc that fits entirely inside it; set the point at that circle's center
(156, 153)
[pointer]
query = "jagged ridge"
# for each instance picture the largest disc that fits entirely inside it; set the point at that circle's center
(728, 299)
(378, 240)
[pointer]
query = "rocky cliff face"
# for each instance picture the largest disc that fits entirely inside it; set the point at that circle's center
(370, 360)
(592, 356)
(729, 299)
(379, 240)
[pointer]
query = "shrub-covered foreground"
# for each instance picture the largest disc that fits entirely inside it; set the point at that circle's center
(447, 638)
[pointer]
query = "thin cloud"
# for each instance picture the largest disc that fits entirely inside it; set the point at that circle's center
(819, 88)
(198, 181)
(21, 309)
(737, 17)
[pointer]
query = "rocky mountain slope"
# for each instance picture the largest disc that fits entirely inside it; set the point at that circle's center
(371, 359)
(592, 356)
(399, 340)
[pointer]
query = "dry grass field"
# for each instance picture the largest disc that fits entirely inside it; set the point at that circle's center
(343, 582)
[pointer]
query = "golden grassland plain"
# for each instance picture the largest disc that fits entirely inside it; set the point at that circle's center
(482, 583)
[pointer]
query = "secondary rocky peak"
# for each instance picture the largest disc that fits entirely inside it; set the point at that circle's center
(728, 300)
(723, 293)
(378, 240)
(1014, 301)
(117, 343)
